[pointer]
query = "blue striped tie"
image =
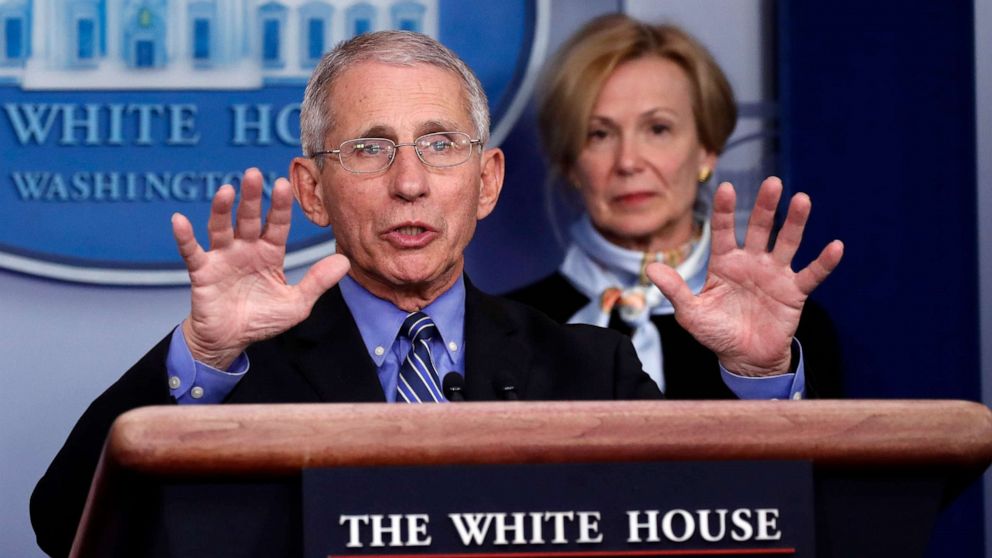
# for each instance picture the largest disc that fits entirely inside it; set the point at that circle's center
(418, 381)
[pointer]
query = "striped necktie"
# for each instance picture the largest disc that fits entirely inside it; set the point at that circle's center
(418, 380)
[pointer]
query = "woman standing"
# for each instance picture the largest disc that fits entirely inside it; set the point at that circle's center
(633, 117)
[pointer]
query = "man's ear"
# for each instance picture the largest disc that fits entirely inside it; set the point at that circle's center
(305, 178)
(491, 181)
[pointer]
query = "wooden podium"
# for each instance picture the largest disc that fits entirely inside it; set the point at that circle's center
(882, 469)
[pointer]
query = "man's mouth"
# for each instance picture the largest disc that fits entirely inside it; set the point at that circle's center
(410, 230)
(410, 235)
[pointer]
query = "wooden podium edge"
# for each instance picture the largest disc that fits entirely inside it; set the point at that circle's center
(282, 439)
(279, 440)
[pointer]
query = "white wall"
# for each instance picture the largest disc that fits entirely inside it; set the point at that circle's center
(62, 345)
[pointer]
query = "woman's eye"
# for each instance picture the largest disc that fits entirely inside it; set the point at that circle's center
(598, 135)
(658, 129)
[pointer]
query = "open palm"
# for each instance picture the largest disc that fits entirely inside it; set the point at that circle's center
(239, 290)
(749, 308)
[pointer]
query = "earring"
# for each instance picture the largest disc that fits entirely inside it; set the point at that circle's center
(705, 174)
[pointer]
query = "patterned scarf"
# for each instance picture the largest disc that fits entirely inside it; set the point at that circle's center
(612, 277)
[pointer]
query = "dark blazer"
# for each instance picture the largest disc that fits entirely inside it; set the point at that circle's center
(692, 370)
(323, 359)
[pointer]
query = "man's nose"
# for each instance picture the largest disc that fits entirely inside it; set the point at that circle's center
(409, 176)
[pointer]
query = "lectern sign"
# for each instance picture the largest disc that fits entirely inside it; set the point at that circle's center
(587, 510)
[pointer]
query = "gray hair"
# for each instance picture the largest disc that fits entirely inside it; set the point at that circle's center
(398, 48)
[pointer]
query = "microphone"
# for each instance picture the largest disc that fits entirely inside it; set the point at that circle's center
(505, 387)
(453, 385)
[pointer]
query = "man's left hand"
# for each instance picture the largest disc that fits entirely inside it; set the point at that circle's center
(749, 308)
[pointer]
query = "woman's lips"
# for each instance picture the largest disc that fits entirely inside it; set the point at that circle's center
(634, 198)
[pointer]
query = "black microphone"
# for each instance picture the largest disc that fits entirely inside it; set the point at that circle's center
(453, 385)
(506, 387)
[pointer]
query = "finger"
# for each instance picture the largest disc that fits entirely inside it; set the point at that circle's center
(672, 286)
(791, 235)
(280, 213)
(190, 250)
(759, 224)
(816, 272)
(249, 215)
(219, 226)
(322, 276)
(722, 222)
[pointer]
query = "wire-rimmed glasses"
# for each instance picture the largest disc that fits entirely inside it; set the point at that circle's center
(437, 149)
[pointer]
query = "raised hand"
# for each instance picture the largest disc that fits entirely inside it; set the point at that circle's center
(749, 308)
(239, 291)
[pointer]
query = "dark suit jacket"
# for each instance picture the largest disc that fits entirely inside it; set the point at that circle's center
(692, 370)
(323, 359)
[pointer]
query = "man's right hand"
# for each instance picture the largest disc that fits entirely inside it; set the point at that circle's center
(239, 291)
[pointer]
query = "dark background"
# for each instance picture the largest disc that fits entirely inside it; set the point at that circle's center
(877, 123)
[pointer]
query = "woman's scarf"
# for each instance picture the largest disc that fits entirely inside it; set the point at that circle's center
(612, 277)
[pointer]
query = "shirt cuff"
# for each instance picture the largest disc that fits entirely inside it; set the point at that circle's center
(192, 382)
(789, 385)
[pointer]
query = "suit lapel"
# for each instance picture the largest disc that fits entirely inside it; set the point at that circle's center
(495, 355)
(332, 355)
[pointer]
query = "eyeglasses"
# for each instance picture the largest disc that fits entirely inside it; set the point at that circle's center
(440, 149)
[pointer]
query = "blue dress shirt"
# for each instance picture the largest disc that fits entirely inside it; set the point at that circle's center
(379, 321)
(193, 382)
(783, 386)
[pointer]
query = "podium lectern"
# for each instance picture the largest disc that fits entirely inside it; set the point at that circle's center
(882, 469)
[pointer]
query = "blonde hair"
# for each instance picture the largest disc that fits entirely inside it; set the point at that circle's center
(574, 76)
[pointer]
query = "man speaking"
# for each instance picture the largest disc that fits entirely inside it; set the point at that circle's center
(394, 130)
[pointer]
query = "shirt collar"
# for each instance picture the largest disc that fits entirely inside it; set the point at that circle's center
(379, 320)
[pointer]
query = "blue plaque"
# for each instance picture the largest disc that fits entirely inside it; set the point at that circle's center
(113, 117)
